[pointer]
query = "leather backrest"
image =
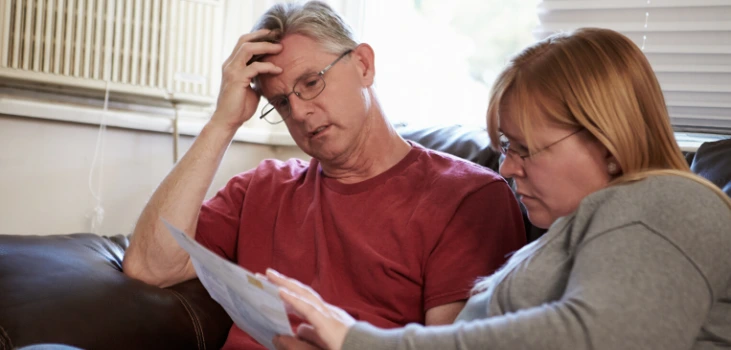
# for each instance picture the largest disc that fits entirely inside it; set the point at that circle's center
(713, 162)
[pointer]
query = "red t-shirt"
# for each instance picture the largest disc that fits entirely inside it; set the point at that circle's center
(386, 249)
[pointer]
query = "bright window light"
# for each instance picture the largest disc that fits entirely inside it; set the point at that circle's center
(436, 59)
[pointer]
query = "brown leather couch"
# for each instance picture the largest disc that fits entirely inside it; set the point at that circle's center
(70, 289)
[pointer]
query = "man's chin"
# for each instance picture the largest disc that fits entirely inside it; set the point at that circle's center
(326, 153)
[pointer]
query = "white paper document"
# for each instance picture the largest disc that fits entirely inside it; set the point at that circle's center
(253, 303)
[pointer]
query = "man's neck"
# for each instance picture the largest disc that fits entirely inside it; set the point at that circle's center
(379, 150)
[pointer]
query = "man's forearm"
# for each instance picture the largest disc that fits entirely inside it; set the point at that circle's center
(443, 314)
(153, 255)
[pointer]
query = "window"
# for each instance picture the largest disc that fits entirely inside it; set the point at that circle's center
(158, 50)
(436, 60)
(688, 43)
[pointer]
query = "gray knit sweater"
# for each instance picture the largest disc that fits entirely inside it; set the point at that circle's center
(640, 266)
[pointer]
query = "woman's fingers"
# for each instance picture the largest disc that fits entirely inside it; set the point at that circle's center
(283, 342)
(287, 307)
(293, 285)
(303, 308)
(308, 333)
(330, 324)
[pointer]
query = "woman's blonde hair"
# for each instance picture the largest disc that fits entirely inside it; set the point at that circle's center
(599, 80)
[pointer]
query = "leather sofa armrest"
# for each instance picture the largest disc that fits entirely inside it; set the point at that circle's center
(70, 289)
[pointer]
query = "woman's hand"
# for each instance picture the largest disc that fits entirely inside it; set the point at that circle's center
(285, 342)
(328, 324)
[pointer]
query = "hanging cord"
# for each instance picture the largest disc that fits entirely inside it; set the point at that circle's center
(175, 121)
(97, 216)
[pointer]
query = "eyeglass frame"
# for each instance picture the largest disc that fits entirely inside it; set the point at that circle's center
(506, 150)
(320, 74)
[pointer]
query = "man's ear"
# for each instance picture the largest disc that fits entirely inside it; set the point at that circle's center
(364, 59)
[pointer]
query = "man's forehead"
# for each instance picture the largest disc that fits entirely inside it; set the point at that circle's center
(282, 83)
(300, 55)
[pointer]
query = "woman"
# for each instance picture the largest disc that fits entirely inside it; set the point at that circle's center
(638, 254)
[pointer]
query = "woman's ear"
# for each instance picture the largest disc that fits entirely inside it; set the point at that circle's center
(613, 166)
(365, 63)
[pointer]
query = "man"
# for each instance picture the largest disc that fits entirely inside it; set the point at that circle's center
(388, 230)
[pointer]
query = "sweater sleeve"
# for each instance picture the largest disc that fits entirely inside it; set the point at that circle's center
(629, 288)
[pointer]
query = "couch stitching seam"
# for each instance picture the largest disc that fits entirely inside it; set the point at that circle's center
(200, 338)
(193, 317)
(3, 336)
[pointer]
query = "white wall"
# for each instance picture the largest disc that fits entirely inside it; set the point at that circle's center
(45, 165)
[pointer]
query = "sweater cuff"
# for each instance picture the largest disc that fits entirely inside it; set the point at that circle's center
(364, 336)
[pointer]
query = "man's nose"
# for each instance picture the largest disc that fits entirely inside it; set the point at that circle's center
(299, 109)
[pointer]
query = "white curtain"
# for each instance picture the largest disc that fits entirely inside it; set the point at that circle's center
(688, 43)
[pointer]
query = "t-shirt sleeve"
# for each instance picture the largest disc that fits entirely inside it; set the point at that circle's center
(486, 227)
(220, 217)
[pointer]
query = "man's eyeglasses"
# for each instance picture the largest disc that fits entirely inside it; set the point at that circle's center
(306, 88)
(507, 151)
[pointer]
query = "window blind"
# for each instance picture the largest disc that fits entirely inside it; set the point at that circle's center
(688, 43)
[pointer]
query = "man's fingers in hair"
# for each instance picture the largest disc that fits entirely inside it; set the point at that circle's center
(249, 38)
(256, 50)
(233, 75)
(242, 39)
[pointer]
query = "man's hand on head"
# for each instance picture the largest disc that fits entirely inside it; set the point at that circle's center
(273, 36)
(237, 101)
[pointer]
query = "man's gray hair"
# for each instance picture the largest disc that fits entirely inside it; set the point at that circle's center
(314, 19)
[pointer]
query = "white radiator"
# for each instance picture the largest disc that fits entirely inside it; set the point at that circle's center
(158, 49)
